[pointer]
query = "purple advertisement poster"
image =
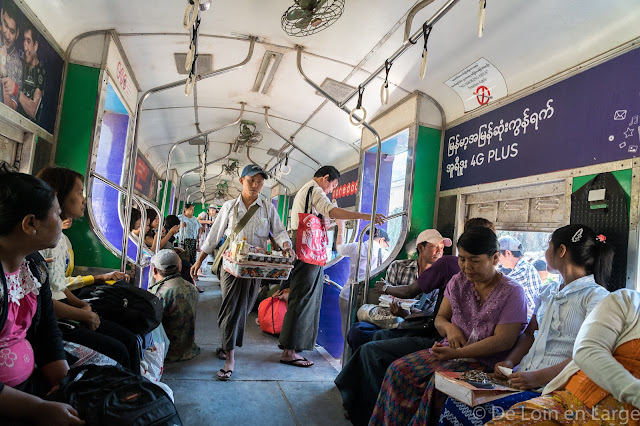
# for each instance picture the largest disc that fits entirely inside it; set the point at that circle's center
(590, 118)
(30, 68)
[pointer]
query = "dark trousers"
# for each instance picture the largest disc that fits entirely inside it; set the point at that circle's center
(300, 325)
(191, 247)
(36, 385)
(238, 297)
(110, 339)
(361, 377)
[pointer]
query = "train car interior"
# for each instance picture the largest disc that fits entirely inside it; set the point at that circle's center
(433, 112)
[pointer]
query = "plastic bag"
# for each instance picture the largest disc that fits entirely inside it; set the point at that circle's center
(152, 365)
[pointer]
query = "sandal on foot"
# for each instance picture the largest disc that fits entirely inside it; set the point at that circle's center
(220, 354)
(224, 376)
(297, 362)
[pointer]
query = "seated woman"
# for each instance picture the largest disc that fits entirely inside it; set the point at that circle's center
(601, 385)
(78, 323)
(544, 349)
(29, 335)
(168, 232)
(180, 300)
(481, 316)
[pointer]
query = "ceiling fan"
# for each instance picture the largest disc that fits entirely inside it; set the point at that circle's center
(249, 136)
(306, 17)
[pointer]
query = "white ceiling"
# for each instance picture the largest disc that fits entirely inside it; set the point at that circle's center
(528, 41)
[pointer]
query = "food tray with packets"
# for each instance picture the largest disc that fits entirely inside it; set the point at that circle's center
(258, 266)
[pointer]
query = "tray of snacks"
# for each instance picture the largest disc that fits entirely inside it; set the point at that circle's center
(254, 262)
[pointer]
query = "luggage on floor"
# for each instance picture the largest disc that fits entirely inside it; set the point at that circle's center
(109, 395)
(271, 315)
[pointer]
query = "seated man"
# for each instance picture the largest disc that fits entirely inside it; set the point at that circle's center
(522, 272)
(180, 299)
(357, 269)
(404, 273)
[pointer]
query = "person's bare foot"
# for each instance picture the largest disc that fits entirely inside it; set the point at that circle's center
(290, 357)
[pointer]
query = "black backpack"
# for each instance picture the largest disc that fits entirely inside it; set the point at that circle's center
(109, 395)
(133, 308)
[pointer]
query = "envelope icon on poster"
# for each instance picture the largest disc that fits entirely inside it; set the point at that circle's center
(620, 114)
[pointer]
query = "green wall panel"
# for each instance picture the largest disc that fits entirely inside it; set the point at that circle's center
(72, 151)
(425, 186)
(623, 176)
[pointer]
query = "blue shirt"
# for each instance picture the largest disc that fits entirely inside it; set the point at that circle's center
(190, 232)
(526, 275)
(560, 314)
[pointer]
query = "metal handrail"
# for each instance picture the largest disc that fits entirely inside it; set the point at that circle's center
(287, 190)
(376, 178)
(290, 142)
(103, 239)
(403, 48)
(168, 175)
(196, 168)
(353, 296)
(133, 151)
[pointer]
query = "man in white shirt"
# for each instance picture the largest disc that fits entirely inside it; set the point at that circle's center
(239, 294)
(350, 250)
(300, 326)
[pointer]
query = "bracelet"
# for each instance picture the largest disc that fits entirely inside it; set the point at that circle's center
(340, 235)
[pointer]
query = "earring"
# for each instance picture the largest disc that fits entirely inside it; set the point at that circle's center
(34, 232)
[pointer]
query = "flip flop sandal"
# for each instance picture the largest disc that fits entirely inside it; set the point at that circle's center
(296, 362)
(220, 354)
(224, 376)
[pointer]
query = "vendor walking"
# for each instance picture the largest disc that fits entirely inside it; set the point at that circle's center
(300, 326)
(247, 217)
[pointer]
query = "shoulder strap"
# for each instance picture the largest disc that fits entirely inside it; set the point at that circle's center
(236, 230)
(306, 204)
(245, 219)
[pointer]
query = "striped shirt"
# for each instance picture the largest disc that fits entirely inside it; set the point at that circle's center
(526, 275)
(264, 221)
(560, 314)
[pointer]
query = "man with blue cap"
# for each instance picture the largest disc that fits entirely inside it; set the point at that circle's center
(239, 294)
(521, 271)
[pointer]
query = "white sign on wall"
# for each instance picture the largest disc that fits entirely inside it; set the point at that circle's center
(478, 84)
(121, 75)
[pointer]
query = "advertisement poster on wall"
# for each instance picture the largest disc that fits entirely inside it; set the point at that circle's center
(30, 68)
(346, 192)
(146, 180)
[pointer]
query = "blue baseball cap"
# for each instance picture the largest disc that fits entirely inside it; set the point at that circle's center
(252, 170)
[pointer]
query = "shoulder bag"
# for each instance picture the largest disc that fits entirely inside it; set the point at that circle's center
(311, 237)
(217, 262)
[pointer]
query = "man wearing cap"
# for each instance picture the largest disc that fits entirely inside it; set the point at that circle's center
(521, 271)
(361, 377)
(180, 300)
(402, 281)
(300, 326)
(378, 255)
(239, 294)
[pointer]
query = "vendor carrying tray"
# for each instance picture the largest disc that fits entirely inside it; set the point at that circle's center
(256, 269)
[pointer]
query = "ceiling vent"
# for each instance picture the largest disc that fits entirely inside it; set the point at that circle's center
(267, 71)
(205, 63)
(338, 91)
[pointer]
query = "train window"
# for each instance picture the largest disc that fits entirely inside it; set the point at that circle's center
(108, 161)
(534, 246)
(393, 191)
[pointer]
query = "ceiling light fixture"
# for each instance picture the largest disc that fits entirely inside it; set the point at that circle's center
(267, 71)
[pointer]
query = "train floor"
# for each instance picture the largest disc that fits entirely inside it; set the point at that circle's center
(262, 390)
